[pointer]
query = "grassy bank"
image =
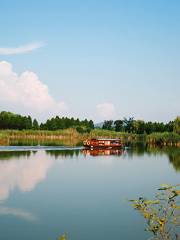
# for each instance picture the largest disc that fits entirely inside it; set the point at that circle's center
(33, 137)
(72, 136)
(161, 139)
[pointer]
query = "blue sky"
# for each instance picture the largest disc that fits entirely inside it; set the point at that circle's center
(98, 59)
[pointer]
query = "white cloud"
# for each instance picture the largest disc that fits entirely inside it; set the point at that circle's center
(21, 49)
(26, 94)
(105, 110)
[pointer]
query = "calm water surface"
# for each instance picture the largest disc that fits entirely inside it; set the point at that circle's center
(45, 192)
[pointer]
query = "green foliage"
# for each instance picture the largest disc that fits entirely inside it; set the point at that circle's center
(10, 120)
(83, 129)
(119, 126)
(176, 125)
(164, 138)
(139, 126)
(63, 237)
(128, 124)
(128, 130)
(131, 125)
(107, 125)
(162, 214)
(35, 124)
(64, 123)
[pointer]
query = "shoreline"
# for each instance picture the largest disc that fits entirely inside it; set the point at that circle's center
(72, 137)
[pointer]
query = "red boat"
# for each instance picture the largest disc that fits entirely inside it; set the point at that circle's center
(103, 143)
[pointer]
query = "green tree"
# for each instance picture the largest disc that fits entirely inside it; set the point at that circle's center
(138, 126)
(35, 124)
(176, 126)
(107, 125)
(118, 126)
(128, 124)
(91, 124)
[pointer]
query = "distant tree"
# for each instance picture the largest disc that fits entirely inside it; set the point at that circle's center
(107, 125)
(35, 124)
(85, 122)
(65, 122)
(138, 126)
(159, 127)
(118, 125)
(128, 124)
(176, 126)
(169, 126)
(28, 122)
(41, 126)
(10, 120)
(149, 128)
(91, 124)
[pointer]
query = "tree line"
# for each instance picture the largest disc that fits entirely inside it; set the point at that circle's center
(131, 125)
(10, 120)
(65, 122)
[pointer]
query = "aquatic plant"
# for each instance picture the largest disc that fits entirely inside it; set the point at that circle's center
(162, 214)
(63, 237)
(176, 125)
(165, 138)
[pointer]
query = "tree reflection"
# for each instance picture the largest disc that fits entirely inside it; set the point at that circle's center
(64, 153)
(5, 155)
(173, 153)
(174, 158)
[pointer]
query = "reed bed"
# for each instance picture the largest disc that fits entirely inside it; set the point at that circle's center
(166, 139)
(71, 135)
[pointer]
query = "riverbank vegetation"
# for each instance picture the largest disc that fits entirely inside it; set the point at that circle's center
(14, 126)
(72, 137)
(140, 127)
(13, 121)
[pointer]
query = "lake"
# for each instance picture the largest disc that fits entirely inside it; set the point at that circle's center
(47, 191)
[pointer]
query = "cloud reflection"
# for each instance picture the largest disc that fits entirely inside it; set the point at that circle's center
(23, 173)
(20, 213)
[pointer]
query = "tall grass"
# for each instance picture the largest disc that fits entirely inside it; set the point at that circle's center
(166, 138)
(43, 137)
(39, 133)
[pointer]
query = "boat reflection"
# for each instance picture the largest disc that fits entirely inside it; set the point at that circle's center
(102, 152)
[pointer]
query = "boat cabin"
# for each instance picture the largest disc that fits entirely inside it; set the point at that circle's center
(103, 143)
